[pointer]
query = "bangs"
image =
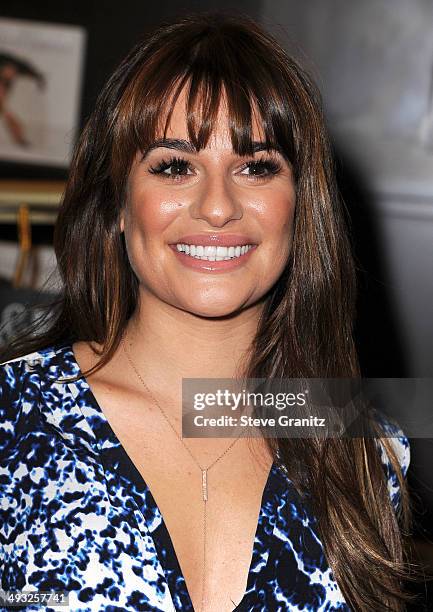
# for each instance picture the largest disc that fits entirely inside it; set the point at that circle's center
(210, 66)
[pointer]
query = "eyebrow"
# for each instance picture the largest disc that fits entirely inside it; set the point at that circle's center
(187, 147)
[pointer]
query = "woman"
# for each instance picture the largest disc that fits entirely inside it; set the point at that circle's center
(200, 236)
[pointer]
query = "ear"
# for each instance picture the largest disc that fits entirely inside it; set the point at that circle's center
(122, 223)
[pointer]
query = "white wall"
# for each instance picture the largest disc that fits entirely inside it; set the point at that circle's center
(373, 61)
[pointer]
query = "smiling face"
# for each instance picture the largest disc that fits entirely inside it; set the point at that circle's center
(208, 232)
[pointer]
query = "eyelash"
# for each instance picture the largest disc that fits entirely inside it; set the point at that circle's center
(272, 166)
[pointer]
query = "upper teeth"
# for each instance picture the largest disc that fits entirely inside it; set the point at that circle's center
(213, 253)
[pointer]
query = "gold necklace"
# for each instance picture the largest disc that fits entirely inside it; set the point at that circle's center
(204, 471)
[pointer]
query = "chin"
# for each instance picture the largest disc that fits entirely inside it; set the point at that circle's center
(212, 309)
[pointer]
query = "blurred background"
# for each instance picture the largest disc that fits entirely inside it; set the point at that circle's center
(373, 62)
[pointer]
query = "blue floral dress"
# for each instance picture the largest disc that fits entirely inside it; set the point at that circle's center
(76, 515)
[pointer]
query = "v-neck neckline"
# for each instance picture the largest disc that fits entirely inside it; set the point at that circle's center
(123, 467)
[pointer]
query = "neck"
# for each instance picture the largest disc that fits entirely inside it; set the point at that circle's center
(167, 343)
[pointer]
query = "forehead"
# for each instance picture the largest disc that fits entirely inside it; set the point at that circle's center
(220, 129)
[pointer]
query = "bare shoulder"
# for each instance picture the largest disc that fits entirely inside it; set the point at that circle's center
(84, 355)
(87, 356)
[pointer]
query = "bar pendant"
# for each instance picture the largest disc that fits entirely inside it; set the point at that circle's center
(204, 484)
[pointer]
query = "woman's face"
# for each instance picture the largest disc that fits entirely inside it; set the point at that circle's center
(190, 216)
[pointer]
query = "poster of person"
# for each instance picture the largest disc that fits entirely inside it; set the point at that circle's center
(41, 66)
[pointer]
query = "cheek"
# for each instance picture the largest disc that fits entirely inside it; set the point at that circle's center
(149, 212)
(277, 223)
(144, 222)
(283, 218)
(148, 216)
(276, 217)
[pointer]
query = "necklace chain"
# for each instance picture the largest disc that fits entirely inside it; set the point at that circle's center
(203, 470)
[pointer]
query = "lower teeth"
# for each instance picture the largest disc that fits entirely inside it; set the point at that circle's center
(214, 257)
(211, 258)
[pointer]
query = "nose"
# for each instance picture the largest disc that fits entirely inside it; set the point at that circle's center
(216, 202)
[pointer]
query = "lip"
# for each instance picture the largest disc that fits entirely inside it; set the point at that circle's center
(203, 265)
(215, 239)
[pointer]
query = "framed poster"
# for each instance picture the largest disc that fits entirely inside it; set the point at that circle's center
(41, 66)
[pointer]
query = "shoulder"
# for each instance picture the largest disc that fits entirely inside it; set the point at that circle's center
(52, 360)
(14, 371)
(21, 379)
(400, 446)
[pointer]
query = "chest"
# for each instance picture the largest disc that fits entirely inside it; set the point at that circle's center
(212, 540)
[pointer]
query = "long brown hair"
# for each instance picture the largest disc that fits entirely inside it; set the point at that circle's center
(307, 321)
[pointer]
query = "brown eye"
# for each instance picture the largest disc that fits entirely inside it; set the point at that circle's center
(176, 166)
(262, 168)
